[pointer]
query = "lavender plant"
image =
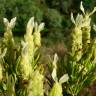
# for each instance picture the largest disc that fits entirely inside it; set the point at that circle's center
(80, 62)
(19, 74)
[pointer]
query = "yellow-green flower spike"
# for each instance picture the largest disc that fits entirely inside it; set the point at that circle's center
(56, 90)
(24, 67)
(31, 47)
(30, 26)
(28, 37)
(77, 36)
(37, 35)
(8, 41)
(33, 36)
(86, 27)
(8, 28)
(35, 87)
(37, 39)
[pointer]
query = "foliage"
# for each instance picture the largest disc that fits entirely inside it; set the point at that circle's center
(18, 61)
(54, 18)
(20, 73)
(22, 10)
(79, 62)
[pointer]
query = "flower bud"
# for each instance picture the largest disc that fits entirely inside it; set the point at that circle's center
(37, 38)
(77, 42)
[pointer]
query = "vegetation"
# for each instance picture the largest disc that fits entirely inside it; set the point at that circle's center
(22, 74)
(42, 10)
(19, 70)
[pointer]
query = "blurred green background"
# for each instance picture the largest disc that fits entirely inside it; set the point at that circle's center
(55, 14)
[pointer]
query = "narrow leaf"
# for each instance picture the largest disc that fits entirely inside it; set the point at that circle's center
(6, 22)
(72, 18)
(94, 27)
(94, 10)
(82, 8)
(54, 75)
(41, 26)
(64, 78)
(12, 22)
(30, 25)
(55, 61)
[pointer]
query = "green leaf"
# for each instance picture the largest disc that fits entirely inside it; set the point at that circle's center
(94, 27)
(64, 78)
(4, 86)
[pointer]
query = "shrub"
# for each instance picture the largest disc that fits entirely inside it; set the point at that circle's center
(22, 9)
(53, 18)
